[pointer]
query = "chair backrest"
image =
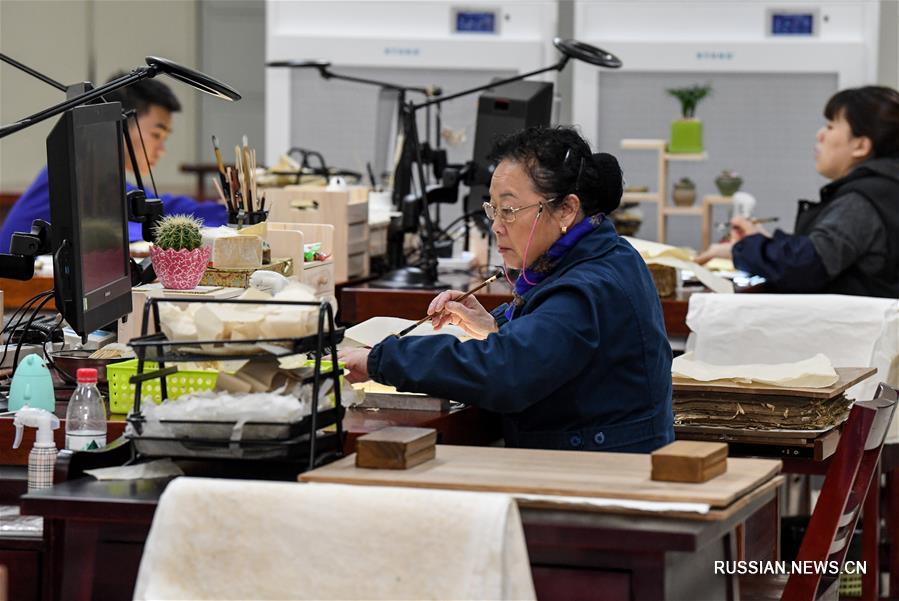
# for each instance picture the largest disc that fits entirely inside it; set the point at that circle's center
(845, 486)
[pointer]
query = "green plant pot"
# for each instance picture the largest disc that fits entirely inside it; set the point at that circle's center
(686, 136)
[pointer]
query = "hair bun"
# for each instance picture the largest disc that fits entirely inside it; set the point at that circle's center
(610, 185)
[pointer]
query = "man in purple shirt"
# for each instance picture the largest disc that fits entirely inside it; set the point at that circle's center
(154, 104)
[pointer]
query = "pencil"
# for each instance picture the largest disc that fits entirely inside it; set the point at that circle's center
(458, 300)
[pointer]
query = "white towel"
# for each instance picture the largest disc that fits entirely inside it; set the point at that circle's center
(232, 539)
(852, 331)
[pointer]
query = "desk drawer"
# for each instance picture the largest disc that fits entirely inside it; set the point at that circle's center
(357, 265)
(357, 212)
(320, 278)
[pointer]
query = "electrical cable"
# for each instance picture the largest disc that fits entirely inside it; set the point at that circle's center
(146, 157)
(13, 324)
(27, 326)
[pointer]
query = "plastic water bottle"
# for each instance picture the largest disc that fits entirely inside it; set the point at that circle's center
(86, 415)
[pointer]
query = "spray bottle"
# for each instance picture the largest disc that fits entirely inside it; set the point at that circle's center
(42, 458)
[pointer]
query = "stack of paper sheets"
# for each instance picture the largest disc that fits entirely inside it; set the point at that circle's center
(774, 404)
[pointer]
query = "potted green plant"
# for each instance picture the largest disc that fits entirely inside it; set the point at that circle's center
(686, 133)
(684, 194)
(179, 258)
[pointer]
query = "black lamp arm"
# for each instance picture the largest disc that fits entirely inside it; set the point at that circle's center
(427, 91)
(557, 67)
(11, 61)
(136, 75)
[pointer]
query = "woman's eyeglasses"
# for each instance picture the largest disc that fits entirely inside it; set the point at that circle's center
(507, 214)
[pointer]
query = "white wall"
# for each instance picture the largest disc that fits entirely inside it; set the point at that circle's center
(70, 39)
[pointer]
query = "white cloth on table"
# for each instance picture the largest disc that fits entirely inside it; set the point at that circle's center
(238, 539)
(852, 331)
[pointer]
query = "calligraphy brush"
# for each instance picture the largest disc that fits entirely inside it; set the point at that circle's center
(221, 166)
(458, 300)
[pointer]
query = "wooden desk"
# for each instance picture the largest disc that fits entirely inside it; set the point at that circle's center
(577, 549)
(359, 302)
(16, 293)
(94, 532)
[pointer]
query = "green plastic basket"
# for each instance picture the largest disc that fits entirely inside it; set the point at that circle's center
(121, 390)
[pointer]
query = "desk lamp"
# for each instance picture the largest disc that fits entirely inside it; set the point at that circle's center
(425, 274)
(19, 264)
(402, 173)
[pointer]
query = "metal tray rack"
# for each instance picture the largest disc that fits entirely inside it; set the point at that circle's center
(301, 442)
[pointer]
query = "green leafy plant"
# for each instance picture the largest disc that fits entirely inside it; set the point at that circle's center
(689, 97)
(176, 232)
(685, 182)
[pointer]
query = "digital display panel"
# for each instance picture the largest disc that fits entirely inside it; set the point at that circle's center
(792, 24)
(103, 246)
(471, 21)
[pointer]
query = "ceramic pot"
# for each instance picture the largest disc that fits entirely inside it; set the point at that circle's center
(180, 269)
(684, 196)
(728, 184)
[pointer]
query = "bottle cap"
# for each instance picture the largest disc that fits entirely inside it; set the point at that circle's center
(87, 375)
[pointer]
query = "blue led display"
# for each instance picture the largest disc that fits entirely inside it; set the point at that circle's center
(792, 24)
(475, 22)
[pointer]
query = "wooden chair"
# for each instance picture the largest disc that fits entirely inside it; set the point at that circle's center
(833, 521)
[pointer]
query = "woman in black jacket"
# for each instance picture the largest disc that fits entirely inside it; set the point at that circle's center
(848, 242)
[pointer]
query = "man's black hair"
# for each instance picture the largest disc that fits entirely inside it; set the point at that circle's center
(142, 94)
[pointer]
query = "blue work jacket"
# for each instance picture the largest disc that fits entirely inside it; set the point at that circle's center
(35, 204)
(583, 364)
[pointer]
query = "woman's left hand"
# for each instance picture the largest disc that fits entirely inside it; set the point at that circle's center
(721, 249)
(356, 360)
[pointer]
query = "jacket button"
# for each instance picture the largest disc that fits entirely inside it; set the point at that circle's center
(576, 440)
(599, 438)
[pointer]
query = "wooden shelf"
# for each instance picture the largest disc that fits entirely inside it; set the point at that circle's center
(686, 156)
(660, 196)
(715, 199)
(643, 144)
(669, 210)
(641, 197)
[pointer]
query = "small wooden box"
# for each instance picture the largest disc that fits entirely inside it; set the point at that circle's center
(396, 448)
(240, 278)
(689, 461)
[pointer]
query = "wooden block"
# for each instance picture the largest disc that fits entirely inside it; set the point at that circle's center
(237, 252)
(396, 448)
(689, 461)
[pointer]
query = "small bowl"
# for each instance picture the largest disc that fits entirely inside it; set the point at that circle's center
(69, 362)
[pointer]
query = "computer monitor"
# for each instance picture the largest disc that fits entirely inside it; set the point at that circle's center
(88, 216)
(504, 110)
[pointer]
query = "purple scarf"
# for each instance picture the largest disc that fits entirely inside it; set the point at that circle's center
(547, 262)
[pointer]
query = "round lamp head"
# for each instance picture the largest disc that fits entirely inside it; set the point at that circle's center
(587, 53)
(293, 64)
(194, 79)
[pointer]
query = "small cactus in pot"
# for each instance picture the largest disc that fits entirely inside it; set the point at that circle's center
(179, 257)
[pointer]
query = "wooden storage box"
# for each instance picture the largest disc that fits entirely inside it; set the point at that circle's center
(240, 278)
(346, 210)
(288, 239)
(396, 448)
(689, 461)
(664, 277)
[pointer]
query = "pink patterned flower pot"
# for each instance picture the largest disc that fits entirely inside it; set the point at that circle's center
(180, 269)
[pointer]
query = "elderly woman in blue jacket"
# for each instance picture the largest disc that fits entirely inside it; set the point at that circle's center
(579, 358)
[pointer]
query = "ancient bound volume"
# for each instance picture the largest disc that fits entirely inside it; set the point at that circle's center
(689, 461)
(396, 448)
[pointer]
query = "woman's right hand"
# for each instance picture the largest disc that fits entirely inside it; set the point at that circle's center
(469, 314)
(741, 227)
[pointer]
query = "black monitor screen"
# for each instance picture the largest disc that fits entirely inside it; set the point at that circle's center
(101, 210)
(88, 218)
